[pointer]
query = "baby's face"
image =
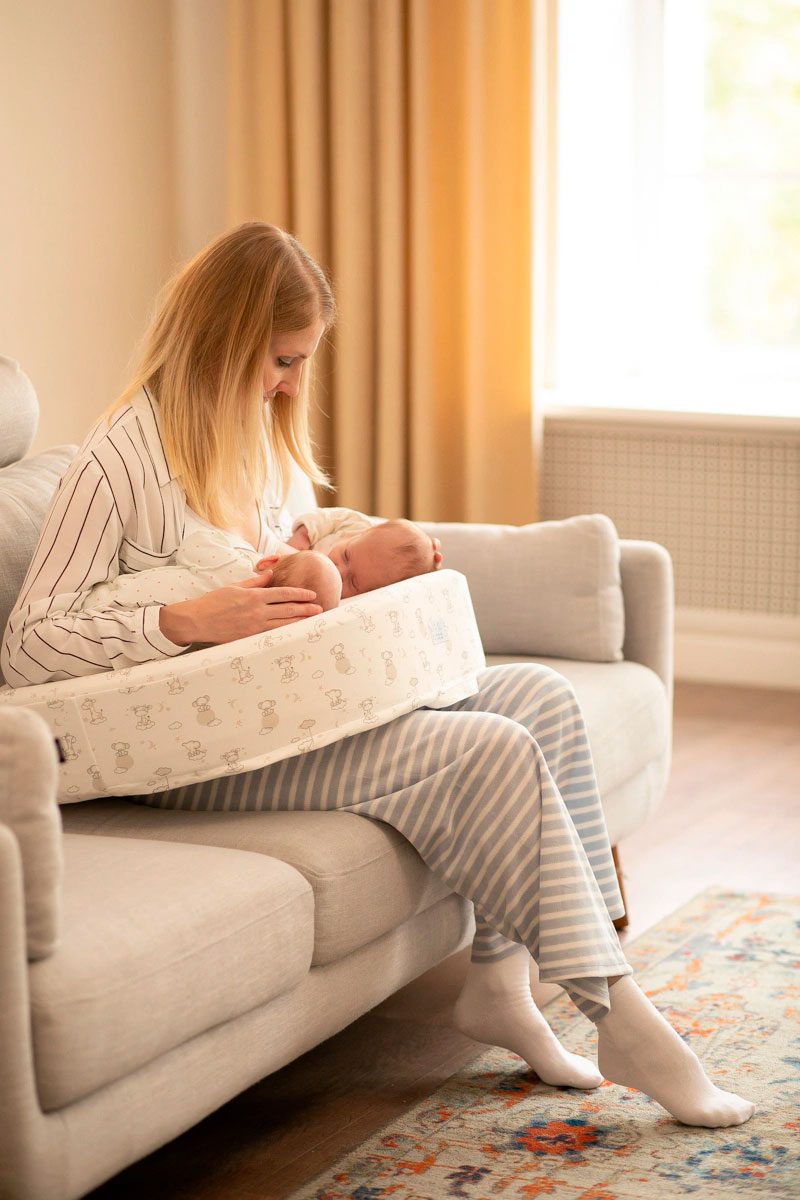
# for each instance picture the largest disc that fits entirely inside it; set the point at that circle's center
(364, 562)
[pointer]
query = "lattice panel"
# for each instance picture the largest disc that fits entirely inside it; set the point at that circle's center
(725, 504)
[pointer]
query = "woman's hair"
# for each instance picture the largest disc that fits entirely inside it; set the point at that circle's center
(203, 359)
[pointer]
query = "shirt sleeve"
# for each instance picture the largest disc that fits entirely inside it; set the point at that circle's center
(50, 635)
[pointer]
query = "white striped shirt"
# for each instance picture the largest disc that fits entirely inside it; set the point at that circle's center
(117, 508)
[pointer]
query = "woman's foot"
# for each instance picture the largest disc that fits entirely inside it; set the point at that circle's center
(638, 1048)
(496, 1007)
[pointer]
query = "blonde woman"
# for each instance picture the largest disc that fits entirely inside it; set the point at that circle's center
(497, 793)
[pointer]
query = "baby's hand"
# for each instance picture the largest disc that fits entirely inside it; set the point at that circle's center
(300, 539)
(436, 546)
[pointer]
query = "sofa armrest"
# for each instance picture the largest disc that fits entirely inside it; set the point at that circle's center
(648, 592)
(28, 807)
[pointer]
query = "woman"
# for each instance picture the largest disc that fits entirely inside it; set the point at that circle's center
(497, 793)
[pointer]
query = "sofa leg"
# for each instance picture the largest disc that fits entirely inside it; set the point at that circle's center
(621, 922)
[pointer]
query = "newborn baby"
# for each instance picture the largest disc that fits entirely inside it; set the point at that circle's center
(207, 559)
(368, 553)
(378, 554)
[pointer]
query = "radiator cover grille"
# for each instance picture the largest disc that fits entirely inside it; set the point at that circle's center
(726, 504)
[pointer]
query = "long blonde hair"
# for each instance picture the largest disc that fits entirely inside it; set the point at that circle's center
(203, 360)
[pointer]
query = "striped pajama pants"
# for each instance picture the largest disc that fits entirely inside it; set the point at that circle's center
(497, 794)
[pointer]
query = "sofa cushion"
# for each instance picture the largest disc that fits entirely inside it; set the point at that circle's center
(626, 710)
(367, 878)
(550, 588)
(28, 764)
(26, 489)
(19, 411)
(160, 942)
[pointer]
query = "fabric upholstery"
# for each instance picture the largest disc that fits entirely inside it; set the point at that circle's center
(549, 588)
(26, 489)
(626, 713)
(19, 411)
(28, 765)
(83, 1144)
(366, 878)
(160, 942)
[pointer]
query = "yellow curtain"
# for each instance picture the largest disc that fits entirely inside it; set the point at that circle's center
(393, 137)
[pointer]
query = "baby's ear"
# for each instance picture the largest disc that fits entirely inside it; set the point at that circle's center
(264, 564)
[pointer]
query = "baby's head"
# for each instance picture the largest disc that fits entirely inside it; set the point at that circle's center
(384, 554)
(309, 569)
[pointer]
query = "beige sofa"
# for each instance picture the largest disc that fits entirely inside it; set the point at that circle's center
(154, 963)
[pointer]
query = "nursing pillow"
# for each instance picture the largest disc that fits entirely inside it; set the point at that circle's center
(236, 707)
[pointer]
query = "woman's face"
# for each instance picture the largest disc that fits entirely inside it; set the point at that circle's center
(287, 354)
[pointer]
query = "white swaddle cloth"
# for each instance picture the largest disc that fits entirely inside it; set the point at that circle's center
(206, 558)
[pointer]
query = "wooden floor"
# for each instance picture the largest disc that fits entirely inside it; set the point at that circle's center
(731, 817)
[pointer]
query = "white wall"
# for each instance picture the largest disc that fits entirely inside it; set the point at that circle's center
(88, 221)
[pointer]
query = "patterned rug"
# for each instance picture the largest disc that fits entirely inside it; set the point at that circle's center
(725, 970)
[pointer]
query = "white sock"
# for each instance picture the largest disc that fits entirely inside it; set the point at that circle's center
(495, 1006)
(638, 1048)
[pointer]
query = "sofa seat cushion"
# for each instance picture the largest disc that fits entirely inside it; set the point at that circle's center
(627, 714)
(367, 879)
(160, 942)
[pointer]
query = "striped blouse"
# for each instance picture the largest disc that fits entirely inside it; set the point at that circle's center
(117, 508)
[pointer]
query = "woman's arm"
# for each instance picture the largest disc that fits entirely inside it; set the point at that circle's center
(49, 635)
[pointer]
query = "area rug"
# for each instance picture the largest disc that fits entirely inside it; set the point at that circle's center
(725, 970)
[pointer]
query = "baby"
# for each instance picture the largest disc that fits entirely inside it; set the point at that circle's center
(368, 553)
(208, 558)
(383, 552)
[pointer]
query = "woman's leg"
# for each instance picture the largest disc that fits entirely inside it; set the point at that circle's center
(473, 792)
(636, 1046)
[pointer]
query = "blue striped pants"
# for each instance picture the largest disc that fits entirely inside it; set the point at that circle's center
(497, 794)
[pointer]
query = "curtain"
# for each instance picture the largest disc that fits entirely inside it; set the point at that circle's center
(393, 138)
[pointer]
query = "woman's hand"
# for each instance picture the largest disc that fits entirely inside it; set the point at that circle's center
(236, 611)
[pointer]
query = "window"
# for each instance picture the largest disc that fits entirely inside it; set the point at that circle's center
(678, 241)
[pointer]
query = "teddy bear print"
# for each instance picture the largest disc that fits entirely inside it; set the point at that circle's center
(56, 705)
(94, 715)
(448, 603)
(343, 665)
(194, 748)
(285, 664)
(244, 673)
(124, 762)
(368, 708)
(68, 744)
(316, 631)
(336, 698)
(97, 779)
(269, 718)
(143, 718)
(394, 617)
(231, 759)
(425, 661)
(175, 685)
(391, 669)
(205, 713)
(161, 782)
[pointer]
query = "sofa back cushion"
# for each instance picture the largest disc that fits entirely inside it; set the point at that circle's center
(552, 588)
(27, 486)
